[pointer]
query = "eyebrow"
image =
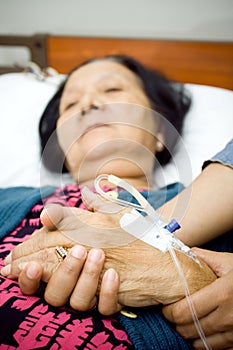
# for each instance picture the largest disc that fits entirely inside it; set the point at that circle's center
(138, 79)
(104, 76)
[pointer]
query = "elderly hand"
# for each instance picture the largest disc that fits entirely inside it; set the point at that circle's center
(147, 276)
(213, 304)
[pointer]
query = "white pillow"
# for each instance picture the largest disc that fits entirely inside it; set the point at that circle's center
(208, 127)
(22, 101)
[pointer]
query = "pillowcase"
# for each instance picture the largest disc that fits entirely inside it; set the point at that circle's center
(23, 98)
(208, 127)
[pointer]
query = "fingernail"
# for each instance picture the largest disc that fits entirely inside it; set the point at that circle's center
(78, 252)
(6, 270)
(8, 259)
(110, 275)
(32, 271)
(95, 254)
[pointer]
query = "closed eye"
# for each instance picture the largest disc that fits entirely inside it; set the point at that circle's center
(113, 89)
(70, 105)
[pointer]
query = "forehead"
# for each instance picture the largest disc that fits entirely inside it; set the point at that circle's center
(101, 70)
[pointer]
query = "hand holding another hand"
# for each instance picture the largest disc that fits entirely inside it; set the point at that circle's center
(146, 275)
(213, 304)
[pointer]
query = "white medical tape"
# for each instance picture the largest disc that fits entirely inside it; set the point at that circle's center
(141, 227)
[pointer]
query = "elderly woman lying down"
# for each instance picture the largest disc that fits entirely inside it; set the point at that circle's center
(111, 116)
(212, 305)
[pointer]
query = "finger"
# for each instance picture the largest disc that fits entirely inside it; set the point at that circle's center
(30, 277)
(108, 297)
(94, 202)
(220, 263)
(53, 214)
(204, 302)
(66, 276)
(28, 247)
(84, 295)
(208, 324)
(8, 259)
(219, 320)
(47, 258)
(23, 249)
(39, 242)
(217, 341)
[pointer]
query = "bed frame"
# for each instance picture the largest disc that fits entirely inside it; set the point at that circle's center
(197, 62)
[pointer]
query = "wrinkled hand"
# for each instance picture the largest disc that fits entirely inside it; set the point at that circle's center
(213, 304)
(147, 276)
(65, 226)
(79, 273)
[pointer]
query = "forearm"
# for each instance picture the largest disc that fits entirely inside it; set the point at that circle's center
(204, 209)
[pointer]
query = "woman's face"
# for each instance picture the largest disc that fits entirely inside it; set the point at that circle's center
(105, 121)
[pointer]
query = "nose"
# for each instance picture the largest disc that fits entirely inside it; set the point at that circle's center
(85, 110)
(90, 102)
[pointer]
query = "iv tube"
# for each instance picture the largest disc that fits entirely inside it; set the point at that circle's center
(149, 210)
(189, 299)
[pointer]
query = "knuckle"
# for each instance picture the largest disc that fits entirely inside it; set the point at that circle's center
(40, 242)
(44, 255)
(18, 251)
(92, 270)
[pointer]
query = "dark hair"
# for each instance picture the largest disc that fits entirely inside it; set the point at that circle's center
(168, 98)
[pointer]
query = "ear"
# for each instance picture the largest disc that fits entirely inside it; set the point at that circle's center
(160, 142)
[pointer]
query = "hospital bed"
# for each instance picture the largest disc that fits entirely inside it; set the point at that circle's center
(206, 69)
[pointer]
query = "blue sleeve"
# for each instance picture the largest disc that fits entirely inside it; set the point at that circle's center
(224, 157)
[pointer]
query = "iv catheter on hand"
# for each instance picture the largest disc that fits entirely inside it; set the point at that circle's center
(164, 230)
(165, 240)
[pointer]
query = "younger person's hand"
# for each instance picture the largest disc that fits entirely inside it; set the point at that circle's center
(213, 304)
(79, 275)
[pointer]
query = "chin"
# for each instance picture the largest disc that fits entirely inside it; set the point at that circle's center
(97, 136)
(121, 168)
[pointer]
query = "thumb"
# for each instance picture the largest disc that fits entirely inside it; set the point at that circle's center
(94, 202)
(220, 263)
(52, 215)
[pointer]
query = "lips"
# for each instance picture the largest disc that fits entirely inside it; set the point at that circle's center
(94, 126)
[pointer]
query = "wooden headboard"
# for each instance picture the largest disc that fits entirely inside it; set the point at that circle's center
(207, 63)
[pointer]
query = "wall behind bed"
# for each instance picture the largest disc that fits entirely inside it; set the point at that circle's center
(208, 20)
(164, 19)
